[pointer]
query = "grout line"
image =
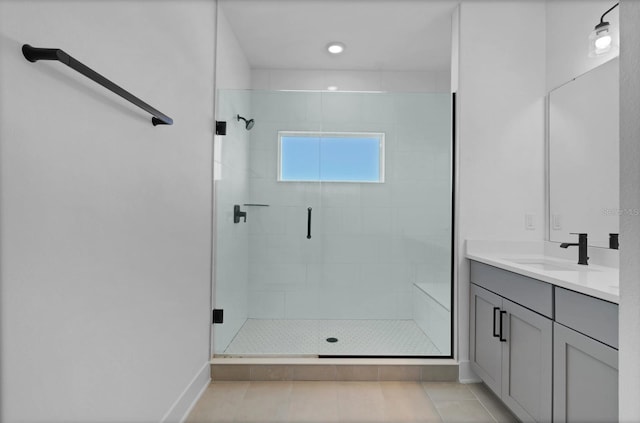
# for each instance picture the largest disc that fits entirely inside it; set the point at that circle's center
(242, 398)
(495, 420)
(483, 404)
(487, 410)
(432, 402)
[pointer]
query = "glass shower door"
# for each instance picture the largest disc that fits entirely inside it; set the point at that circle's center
(387, 263)
(346, 250)
(274, 294)
(231, 238)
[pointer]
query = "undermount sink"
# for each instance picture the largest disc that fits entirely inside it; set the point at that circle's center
(550, 266)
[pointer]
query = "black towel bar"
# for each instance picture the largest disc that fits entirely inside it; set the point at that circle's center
(33, 54)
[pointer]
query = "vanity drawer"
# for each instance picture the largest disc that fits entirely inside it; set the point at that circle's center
(591, 316)
(531, 293)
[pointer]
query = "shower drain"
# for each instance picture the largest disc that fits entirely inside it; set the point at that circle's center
(332, 340)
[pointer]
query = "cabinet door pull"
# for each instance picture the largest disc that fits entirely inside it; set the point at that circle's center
(502, 312)
(495, 335)
(309, 223)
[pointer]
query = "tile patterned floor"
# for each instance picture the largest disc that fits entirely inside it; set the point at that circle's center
(308, 337)
(355, 402)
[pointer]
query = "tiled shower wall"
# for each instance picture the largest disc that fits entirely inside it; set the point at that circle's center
(370, 242)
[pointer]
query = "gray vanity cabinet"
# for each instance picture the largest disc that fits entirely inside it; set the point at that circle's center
(511, 350)
(532, 342)
(585, 359)
(486, 348)
(585, 384)
(527, 362)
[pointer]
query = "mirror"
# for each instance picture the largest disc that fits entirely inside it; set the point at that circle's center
(584, 157)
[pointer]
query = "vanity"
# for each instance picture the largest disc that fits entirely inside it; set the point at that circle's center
(543, 328)
(544, 331)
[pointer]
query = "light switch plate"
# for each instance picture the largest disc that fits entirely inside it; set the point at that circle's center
(556, 222)
(529, 221)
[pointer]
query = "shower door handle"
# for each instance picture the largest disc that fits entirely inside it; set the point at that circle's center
(309, 223)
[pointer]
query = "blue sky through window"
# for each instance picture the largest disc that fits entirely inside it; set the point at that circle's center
(300, 158)
(331, 157)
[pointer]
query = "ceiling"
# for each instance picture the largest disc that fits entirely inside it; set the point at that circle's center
(393, 35)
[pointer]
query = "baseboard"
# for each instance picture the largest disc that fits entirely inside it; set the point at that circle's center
(466, 374)
(182, 406)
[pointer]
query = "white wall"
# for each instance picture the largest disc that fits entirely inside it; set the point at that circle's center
(501, 132)
(350, 80)
(370, 242)
(232, 68)
(569, 24)
(455, 49)
(231, 163)
(105, 226)
(629, 318)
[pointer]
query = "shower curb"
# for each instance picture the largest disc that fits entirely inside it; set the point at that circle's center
(232, 369)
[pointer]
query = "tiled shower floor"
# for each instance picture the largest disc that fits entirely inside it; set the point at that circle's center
(259, 337)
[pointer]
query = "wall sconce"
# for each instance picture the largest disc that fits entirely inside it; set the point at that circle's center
(601, 38)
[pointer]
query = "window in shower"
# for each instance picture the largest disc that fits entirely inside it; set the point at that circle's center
(331, 156)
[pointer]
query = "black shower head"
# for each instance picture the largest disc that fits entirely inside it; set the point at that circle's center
(248, 123)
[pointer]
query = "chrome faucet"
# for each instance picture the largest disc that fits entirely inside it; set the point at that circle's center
(582, 248)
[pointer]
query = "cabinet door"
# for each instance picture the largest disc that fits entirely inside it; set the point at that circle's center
(527, 359)
(585, 381)
(485, 348)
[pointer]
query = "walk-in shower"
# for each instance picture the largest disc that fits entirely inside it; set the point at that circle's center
(346, 249)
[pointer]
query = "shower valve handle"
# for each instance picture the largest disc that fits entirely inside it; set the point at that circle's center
(237, 214)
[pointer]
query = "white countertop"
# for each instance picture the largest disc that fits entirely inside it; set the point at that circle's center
(595, 280)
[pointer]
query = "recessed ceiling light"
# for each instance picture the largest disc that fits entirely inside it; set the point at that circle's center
(332, 88)
(335, 48)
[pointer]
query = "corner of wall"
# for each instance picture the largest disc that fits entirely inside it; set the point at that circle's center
(180, 409)
(233, 70)
(629, 317)
(455, 48)
(466, 374)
